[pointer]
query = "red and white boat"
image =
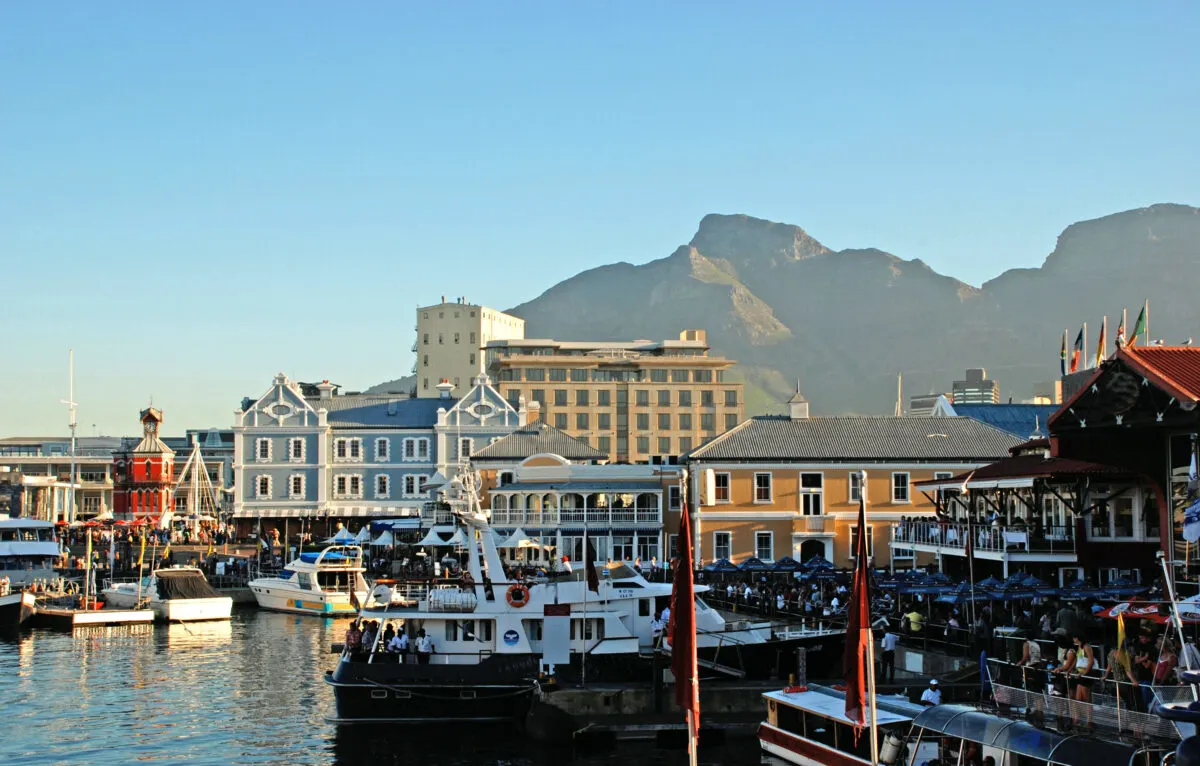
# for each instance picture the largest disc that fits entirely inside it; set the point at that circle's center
(807, 725)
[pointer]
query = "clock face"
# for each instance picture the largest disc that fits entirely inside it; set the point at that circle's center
(151, 427)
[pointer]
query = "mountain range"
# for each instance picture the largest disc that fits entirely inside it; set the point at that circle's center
(842, 324)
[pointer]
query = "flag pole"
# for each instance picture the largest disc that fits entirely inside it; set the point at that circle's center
(1124, 326)
(863, 536)
(1083, 363)
(1146, 308)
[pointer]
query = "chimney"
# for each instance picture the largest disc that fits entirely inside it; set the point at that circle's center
(533, 412)
(326, 389)
(444, 388)
(798, 406)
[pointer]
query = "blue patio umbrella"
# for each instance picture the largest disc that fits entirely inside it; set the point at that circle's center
(1041, 587)
(1013, 591)
(817, 561)
(754, 564)
(785, 564)
(721, 565)
(989, 583)
(963, 594)
(1123, 587)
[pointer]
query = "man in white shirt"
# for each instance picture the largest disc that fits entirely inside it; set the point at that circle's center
(835, 603)
(399, 644)
(666, 617)
(888, 656)
(932, 695)
(424, 647)
(656, 626)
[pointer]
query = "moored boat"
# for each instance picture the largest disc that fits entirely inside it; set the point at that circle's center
(16, 607)
(29, 551)
(318, 582)
(176, 594)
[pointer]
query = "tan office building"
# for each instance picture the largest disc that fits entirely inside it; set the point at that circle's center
(632, 400)
(450, 340)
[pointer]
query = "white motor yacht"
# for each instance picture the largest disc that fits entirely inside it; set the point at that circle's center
(29, 551)
(316, 583)
(176, 594)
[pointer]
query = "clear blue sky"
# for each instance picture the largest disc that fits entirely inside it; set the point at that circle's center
(198, 195)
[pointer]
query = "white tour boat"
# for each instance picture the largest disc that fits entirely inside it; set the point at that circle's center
(29, 551)
(316, 583)
(176, 594)
(492, 635)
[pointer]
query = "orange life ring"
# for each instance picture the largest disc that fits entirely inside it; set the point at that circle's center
(517, 601)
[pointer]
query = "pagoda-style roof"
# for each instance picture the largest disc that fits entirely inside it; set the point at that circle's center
(1151, 381)
(1022, 470)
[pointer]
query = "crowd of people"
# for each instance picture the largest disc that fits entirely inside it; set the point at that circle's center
(363, 639)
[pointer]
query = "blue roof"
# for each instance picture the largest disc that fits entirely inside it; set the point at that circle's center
(1018, 419)
(372, 411)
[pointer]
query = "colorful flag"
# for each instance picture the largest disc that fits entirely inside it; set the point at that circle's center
(1139, 327)
(1123, 657)
(683, 627)
(1062, 355)
(1120, 339)
(1076, 352)
(1102, 346)
(354, 602)
(858, 627)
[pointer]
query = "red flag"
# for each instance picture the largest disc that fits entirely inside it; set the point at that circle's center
(354, 600)
(593, 581)
(682, 629)
(858, 628)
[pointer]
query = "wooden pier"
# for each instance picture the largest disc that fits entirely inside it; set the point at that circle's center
(62, 618)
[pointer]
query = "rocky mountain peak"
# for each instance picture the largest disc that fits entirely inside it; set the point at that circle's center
(740, 237)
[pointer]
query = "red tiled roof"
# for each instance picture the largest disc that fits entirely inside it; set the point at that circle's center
(1176, 369)
(1033, 467)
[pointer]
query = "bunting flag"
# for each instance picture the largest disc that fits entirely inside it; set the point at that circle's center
(1102, 346)
(858, 627)
(1062, 355)
(683, 627)
(1139, 327)
(1076, 352)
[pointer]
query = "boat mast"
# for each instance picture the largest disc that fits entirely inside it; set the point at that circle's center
(69, 510)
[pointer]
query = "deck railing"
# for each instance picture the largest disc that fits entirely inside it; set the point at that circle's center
(985, 537)
(601, 517)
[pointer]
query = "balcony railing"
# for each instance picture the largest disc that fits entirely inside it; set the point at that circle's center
(600, 517)
(985, 538)
(815, 524)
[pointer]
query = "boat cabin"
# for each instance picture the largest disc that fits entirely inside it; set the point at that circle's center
(958, 734)
(809, 726)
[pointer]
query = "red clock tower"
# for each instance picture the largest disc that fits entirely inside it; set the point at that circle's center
(145, 476)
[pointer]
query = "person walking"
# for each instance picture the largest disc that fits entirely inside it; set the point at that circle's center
(888, 657)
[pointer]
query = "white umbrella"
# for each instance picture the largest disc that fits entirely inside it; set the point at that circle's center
(457, 540)
(364, 534)
(433, 538)
(515, 539)
(343, 536)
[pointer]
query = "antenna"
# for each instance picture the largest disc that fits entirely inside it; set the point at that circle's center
(69, 510)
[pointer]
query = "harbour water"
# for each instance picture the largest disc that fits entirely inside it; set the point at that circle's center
(247, 691)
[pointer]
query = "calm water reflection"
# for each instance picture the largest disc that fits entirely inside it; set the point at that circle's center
(248, 691)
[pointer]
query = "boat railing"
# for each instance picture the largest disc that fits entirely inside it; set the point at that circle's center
(1118, 708)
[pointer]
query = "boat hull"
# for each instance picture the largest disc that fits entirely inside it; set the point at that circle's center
(296, 601)
(803, 752)
(500, 688)
(16, 609)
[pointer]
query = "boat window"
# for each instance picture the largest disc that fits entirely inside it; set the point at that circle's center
(533, 629)
(643, 607)
(821, 730)
(486, 630)
(789, 719)
(451, 630)
(858, 746)
(468, 629)
(306, 580)
(701, 606)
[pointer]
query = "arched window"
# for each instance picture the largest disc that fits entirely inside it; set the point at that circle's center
(534, 503)
(647, 502)
(499, 502)
(148, 474)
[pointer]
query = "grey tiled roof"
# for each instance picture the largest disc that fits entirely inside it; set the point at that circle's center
(859, 438)
(371, 410)
(536, 438)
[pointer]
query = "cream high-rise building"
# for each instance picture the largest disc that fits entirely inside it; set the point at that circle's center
(634, 401)
(450, 340)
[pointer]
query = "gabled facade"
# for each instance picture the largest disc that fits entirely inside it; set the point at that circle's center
(789, 485)
(308, 452)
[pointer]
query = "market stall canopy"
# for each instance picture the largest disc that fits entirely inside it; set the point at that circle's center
(364, 535)
(515, 539)
(434, 536)
(343, 537)
(385, 539)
